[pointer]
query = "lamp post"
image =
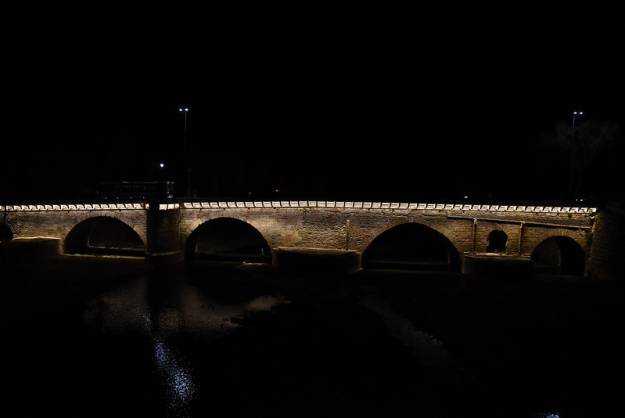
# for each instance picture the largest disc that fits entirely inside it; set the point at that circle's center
(187, 166)
(576, 114)
(574, 177)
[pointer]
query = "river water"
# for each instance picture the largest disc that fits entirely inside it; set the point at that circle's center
(93, 336)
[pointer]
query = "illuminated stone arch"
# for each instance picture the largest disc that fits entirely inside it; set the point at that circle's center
(137, 220)
(103, 235)
(559, 254)
(412, 245)
(227, 239)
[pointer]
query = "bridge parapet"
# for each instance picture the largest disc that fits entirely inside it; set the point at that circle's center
(74, 207)
(403, 206)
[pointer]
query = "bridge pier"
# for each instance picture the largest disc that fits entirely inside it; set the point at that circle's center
(163, 234)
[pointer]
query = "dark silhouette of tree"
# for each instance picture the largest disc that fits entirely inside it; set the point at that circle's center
(587, 147)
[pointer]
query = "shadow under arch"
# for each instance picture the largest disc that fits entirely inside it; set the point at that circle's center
(497, 241)
(559, 255)
(104, 235)
(412, 246)
(5, 232)
(227, 239)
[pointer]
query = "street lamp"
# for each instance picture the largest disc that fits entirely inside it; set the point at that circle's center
(576, 114)
(575, 182)
(185, 111)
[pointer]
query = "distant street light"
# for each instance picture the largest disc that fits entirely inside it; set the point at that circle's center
(161, 165)
(187, 166)
(575, 182)
(575, 115)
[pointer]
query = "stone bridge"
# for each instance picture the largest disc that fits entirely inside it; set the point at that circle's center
(558, 236)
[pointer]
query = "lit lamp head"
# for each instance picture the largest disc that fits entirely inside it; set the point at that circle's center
(161, 165)
(183, 109)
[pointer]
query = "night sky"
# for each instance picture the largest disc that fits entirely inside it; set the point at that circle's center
(392, 117)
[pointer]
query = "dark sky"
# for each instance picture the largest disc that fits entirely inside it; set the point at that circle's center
(394, 116)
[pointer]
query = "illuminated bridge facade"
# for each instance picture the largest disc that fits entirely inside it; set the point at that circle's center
(411, 234)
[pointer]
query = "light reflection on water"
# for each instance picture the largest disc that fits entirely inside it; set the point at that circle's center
(189, 311)
(429, 350)
(176, 377)
(126, 309)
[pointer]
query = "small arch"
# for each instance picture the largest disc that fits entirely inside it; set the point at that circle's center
(497, 241)
(412, 246)
(559, 255)
(104, 235)
(227, 239)
(5, 232)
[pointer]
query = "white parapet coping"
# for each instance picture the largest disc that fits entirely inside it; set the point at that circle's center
(73, 207)
(168, 206)
(386, 206)
(392, 206)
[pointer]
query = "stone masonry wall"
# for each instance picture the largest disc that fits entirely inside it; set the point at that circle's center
(167, 230)
(356, 229)
(58, 224)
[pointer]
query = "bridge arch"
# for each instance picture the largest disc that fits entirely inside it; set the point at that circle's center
(412, 246)
(104, 235)
(6, 234)
(559, 255)
(227, 239)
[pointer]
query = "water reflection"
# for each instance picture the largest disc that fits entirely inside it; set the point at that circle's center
(159, 345)
(429, 350)
(163, 306)
(176, 377)
(187, 310)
